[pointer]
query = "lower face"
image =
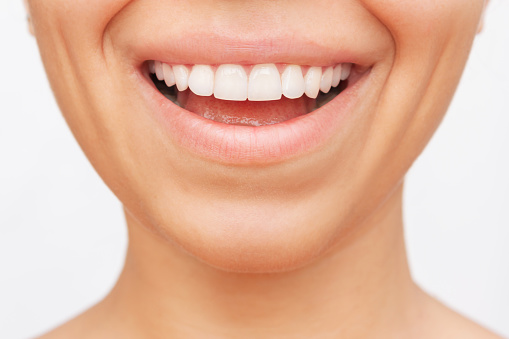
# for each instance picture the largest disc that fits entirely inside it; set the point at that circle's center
(253, 134)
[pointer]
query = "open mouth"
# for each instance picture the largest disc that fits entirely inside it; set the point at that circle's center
(247, 114)
(255, 95)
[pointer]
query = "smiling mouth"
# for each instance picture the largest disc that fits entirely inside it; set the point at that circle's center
(255, 95)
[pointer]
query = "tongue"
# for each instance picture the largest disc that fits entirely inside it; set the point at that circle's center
(250, 113)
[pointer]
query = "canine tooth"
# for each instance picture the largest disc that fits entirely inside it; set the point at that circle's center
(336, 76)
(345, 71)
(159, 70)
(169, 78)
(230, 83)
(264, 83)
(181, 77)
(151, 67)
(292, 81)
(326, 81)
(312, 80)
(201, 80)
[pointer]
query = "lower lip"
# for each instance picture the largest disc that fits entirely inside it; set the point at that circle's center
(249, 145)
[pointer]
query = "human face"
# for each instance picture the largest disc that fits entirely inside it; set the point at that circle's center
(243, 198)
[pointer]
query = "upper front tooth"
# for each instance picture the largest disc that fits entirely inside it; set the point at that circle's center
(181, 77)
(292, 81)
(336, 76)
(312, 79)
(159, 71)
(326, 81)
(264, 83)
(345, 71)
(231, 83)
(169, 77)
(201, 80)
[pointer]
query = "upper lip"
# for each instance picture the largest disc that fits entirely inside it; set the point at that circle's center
(215, 48)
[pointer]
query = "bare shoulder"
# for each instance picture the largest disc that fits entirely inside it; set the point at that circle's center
(95, 323)
(67, 330)
(443, 322)
(78, 328)
(434, 320)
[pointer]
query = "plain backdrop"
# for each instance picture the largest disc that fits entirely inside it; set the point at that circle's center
(62, 233)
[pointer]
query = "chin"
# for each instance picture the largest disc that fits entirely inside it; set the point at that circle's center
(245, 239)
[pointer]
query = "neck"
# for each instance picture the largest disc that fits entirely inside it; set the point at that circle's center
(361, 288)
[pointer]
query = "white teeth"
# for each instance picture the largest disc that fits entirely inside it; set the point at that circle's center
(336, 76)
(312, 79)
(181, 77)
(345, 71)
(152, 67)
(169, 77)
(159, 70)
(201, 80)
(293, 82)
(231, 83)
(264, 83)
(326, 82)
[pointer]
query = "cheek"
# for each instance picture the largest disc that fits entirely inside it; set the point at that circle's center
(422, 28)
(432, 40)
(69, 30)
(71, 39)
(94, 13)
(77, 25)
(414, 18)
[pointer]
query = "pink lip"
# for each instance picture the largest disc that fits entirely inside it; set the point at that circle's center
(213, 48)
(248, 145)
(242, 145)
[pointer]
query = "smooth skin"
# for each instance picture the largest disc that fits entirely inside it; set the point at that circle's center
(311, 247)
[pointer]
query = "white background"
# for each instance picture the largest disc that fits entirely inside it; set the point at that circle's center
(62, 236)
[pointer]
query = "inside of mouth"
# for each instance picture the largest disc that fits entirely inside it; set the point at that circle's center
(246, 113)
